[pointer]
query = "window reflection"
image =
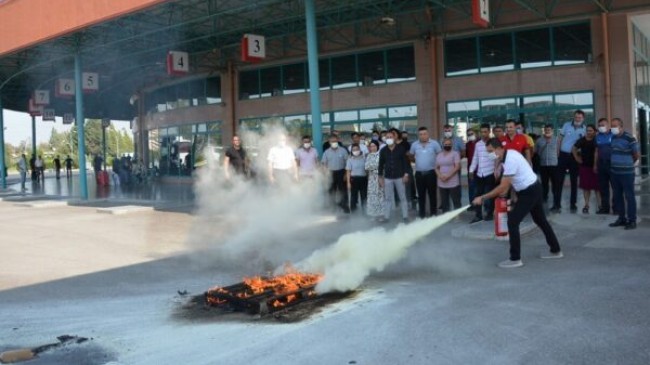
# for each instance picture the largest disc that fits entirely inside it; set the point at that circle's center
(533, 48)
(496, 53)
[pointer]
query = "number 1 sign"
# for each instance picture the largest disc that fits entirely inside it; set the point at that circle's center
(253, 48)
(178, 63)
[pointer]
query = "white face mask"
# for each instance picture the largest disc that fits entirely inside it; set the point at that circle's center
(615, 130)
(334, 144)
(447, 134)
(389, 141)
(363, 142)
(492, 156)
(306, 145)
(471, 138)
(602, 129)
(383, 138)
(356, 153)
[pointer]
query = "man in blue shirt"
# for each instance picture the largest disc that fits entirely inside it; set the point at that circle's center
(570, 133)
(625, 153)
(423, 152)
(604, 152)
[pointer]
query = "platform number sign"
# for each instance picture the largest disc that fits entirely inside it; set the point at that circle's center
(68, 118)
(178, 63)
(64, 88)
(481, 13)
(34, 110)
(48, 115)
(42, 97)
(253, 48)
(90, 81)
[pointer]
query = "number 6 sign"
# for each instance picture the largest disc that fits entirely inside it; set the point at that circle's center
(64, 88)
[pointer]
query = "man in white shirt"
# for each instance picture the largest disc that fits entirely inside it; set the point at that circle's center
(518, 174)
(356, 139)
(22, 167)
(282, 163)
(481, 171)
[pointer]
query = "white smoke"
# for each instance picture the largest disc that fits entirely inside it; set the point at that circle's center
(245, 220)
(354, 256)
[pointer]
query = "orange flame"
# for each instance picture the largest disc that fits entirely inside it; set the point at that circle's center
(289, 283)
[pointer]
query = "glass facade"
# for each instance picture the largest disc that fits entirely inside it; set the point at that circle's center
(178, 150)
(641, 71)
(185, 94)
(533, 110)
(352, 70)
(402, 117)
(557, 45)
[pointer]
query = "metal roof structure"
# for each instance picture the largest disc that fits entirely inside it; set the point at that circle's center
(129, 52)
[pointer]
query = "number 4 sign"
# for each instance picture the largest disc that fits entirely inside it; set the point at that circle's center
(41, 97)
(178, 63)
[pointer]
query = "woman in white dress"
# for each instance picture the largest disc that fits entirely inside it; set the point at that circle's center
(375, 208)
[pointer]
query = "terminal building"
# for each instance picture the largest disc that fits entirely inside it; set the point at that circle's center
(381, 64)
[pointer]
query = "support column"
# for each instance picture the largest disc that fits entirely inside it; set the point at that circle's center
(81, 139)
(104, 145)
(3, 163)
(34, 136)
(314, 81)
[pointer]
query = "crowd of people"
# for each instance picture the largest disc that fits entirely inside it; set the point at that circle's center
(37, 167)
(387, 171)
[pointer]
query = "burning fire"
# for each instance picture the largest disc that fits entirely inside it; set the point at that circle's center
(288, 284)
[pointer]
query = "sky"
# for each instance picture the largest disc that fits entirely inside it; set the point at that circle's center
(18, 127)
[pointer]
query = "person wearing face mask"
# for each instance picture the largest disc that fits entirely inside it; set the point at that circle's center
(326, 145)
(356, 139)
(356, 177)
(604, 153)
(546, 148)
(515, 141)
(470, 146)
(307, 159)
(393, 176)
(334, 159)
(457, 145)
(375, 203)
(382, 139)
(625, 154)
(447, 167)
(481, 171)
(282, 166)
(570, 133)
(518, 175)
(584, 152)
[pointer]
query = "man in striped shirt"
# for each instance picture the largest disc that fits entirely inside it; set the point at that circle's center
(625, 153)
(481, 170)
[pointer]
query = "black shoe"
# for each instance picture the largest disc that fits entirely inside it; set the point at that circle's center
(630, 225)
(470, 208)
(556, 210)
(574, 209)
(620, 223)
(475, 220)
(488, 218)
(602, 211)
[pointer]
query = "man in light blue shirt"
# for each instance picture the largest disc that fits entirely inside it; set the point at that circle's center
(424, 152)
(570, 133)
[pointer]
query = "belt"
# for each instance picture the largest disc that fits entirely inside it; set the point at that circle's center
(529, 188)
(428, 172)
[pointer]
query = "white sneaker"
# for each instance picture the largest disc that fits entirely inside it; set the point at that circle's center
(510, 264)
(551, 255)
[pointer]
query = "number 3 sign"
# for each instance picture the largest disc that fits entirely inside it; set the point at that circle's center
(178, 63)
(253, 48)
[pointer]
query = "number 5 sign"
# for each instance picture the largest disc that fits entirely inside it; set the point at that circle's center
(41, 97)
(253, 48)
(90, 81)
(178, 63)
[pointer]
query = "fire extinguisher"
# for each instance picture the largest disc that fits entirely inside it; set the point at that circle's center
(501, 216)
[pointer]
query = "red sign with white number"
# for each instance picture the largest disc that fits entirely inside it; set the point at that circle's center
(34, 110)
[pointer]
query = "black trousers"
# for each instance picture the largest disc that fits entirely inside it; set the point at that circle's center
(484, 185)
(529, 200)
(426, 183)
(567, 162)
(604, 183)
(550, 175)
(338, 185)
(358, 189)
(449, 193)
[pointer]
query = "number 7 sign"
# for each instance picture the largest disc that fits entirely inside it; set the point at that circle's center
(41, 97)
